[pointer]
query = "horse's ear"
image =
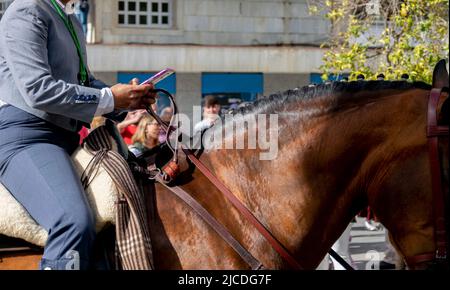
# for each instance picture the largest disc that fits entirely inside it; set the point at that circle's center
(440, 75)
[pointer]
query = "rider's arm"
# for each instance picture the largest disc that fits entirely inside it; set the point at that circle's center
(24, 46)
(125, 123)
(202, 125)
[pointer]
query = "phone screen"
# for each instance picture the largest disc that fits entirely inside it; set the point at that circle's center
(159, 76)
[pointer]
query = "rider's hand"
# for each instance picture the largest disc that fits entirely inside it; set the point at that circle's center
(133, 96)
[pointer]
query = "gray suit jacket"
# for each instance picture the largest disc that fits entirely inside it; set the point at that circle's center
(39, 66)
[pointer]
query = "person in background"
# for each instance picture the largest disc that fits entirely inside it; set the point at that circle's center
(84, 132)
(146, 136)
(128, 126)
(166, 116)
(97, 122)
(82, 12)
(211, 110)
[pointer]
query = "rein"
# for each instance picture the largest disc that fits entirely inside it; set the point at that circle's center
(217, 226)
(434, 132)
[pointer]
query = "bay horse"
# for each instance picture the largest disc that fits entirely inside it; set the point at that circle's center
(342, 147)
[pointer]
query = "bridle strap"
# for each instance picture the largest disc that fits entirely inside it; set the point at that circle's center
(215, 225)
(276, 245)
(433, 133)
(421, 258)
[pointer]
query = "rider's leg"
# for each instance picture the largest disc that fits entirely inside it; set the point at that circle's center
(42, 178)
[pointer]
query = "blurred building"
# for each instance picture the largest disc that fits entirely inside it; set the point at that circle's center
(238, 49)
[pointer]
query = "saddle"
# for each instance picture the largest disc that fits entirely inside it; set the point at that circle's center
(102, 194)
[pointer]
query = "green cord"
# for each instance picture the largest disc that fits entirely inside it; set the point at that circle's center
(69, 26)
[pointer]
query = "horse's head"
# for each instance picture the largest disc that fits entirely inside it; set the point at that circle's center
(408, 199)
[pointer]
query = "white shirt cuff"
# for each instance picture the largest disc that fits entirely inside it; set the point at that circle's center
(2, 103)
(106, 102)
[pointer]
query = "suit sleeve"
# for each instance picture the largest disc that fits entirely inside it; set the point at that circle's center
(24, 41)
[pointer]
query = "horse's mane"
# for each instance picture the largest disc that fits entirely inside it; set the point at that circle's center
(336, 92)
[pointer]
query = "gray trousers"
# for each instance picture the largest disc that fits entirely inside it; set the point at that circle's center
(35, 166)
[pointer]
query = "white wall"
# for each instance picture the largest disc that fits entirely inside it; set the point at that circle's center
(191, 58)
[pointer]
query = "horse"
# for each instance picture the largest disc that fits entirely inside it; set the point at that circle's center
(342, 147)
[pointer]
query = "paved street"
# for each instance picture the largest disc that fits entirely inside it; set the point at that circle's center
(366, 247)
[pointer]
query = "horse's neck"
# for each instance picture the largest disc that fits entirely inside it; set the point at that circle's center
(305, 197)
(324, 167)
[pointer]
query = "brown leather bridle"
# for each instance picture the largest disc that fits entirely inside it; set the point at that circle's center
(434, 132)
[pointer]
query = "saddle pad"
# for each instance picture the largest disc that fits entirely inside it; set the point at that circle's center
(102, 194)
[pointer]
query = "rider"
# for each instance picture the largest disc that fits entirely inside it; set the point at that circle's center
(47, 95)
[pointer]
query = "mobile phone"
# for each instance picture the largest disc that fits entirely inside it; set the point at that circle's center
(159, 76)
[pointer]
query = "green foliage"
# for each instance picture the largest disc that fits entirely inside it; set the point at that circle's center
(412, 36)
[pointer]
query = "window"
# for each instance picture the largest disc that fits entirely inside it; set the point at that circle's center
(145, 13)
(3, 6)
